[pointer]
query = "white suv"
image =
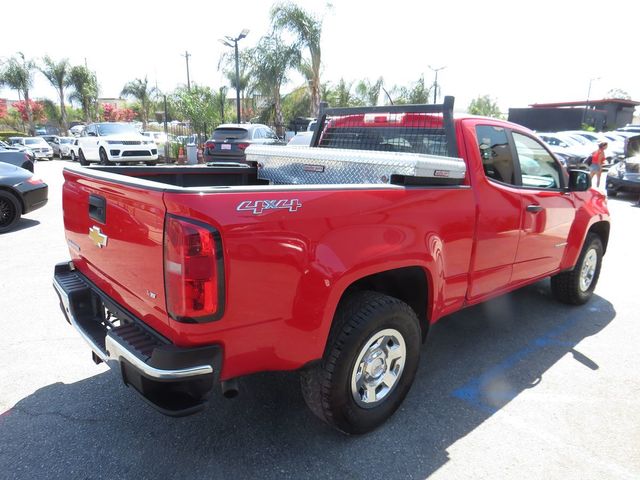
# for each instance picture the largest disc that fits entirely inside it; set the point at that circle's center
(112, 142)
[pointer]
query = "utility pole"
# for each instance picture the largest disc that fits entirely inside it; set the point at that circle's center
(584, 112)
(435, 83)
(186, 56)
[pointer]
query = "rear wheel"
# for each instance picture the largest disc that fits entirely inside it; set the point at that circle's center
(151, 164)
(611, 193)
(104, 160)
(576, 286)
(10, 211)
(369, 364)
(82, 159)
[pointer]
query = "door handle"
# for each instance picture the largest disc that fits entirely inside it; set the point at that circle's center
(534, 208)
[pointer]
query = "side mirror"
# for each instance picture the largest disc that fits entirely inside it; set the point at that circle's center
(579, 181)
(92, 134)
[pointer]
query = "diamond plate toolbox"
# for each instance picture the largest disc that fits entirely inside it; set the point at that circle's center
(320, 166)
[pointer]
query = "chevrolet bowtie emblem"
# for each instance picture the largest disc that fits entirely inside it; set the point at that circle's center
(97, 237)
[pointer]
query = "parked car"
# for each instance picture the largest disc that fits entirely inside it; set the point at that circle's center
(16, 158)
(40, 148)
(74, 148)
(229, 141)
(64, 147)
(302, 139)
(115, 142)
(20, 193)
(624, 176)
(615, 149)
(18, 148)
(567, 152)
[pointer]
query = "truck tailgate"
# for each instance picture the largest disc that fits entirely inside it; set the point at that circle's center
(115, 236)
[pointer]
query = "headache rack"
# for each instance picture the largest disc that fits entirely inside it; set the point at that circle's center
(426, 129)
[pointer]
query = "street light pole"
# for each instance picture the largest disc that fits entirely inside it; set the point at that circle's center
(584, 113)
(242, 35)
(186, 56)
(435, 83)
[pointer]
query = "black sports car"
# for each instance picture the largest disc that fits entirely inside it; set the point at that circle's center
(17, 158)
(624, 176)
(20, 193)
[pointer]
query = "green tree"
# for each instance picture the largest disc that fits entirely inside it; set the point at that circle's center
(484, 106)
(140, 90)
(618, 93)
(17, 74)
(341, 95)
(308, 30)
(200, 106)
(85, 91)
(58, 75)
(271, 61)
(367, 93)
(418, 93)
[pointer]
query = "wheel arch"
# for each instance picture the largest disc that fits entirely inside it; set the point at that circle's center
(409, 284)
(601, 229)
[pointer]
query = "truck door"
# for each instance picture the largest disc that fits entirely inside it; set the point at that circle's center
(499, 207)
(548, 210)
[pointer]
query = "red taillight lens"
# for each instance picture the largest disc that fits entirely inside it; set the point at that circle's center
(210, 145)
(242, 146)
(192, 270)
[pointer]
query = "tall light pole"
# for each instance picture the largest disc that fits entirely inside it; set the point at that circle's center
(584, 113)
(186, 56)
(226, 42)
(435, 83)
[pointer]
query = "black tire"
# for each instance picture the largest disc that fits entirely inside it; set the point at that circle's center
(151, 164)
(72, 155)
(611, 193)
(81, 159)
(576, 286)
(330, 387)
(104, 160)
(10, 211)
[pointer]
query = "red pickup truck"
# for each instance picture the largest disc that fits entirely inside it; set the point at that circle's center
(321, 259)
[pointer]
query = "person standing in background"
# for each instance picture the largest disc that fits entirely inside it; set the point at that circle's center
(597, 160)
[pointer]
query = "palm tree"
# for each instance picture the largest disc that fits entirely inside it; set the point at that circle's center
(271, 60)
(139, 89)
(58, 76)
(308, 29)
(85, 86)
(368, 92)
(18, 75)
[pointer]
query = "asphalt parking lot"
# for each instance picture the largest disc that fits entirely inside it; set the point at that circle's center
(520, 387)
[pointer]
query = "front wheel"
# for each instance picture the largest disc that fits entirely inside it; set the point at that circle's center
(576, 286)
(369, 363)
(81, 158)
(73, 156)
(104, 160)
(10, 211)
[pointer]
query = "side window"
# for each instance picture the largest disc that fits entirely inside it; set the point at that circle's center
(495, 151)
(270, 134)
(539, 169)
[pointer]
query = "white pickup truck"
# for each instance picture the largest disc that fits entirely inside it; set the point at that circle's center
(113, 142)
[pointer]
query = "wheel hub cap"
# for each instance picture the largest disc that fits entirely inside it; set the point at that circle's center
(588, 270)
(378, 367)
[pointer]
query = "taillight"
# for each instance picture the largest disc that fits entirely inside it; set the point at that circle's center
(193, 271)
(242, 146)
(210, 145)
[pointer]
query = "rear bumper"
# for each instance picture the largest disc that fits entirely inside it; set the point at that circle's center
(35, 198)
(176, 381)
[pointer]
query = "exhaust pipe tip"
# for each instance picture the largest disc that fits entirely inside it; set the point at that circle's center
(230, 388)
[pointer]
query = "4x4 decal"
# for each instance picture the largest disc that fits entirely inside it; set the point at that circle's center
(259, 206)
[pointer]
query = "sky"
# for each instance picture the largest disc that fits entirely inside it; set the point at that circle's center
(518, 53)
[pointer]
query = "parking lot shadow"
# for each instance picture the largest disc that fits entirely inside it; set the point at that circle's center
(473, 364)
(23, 224)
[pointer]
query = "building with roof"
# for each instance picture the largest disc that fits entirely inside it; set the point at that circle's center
(605, 114)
